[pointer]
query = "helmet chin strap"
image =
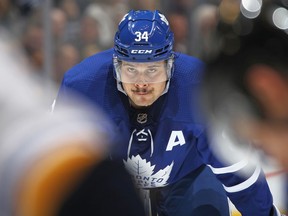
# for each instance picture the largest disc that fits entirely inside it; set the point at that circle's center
(167, 87)
(120, 87)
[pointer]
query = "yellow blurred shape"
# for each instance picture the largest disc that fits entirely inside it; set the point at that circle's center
(47, 183)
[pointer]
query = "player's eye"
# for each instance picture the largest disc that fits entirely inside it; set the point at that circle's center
(131, 70)
(152, 70)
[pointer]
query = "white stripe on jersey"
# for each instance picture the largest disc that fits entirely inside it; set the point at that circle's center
(230, 169)
(246, 184)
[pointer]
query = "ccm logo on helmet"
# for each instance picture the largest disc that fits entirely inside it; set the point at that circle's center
(141, 51)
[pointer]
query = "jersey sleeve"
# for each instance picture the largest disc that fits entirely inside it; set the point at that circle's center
(244, 183)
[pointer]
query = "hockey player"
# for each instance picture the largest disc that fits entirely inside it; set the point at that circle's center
(151, 94)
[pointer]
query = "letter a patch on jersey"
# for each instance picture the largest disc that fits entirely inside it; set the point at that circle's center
(176, 138)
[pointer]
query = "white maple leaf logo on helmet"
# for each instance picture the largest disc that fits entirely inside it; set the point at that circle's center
(124, 17)
(163, 18)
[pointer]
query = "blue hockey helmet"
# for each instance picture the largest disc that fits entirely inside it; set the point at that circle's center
(143, 36)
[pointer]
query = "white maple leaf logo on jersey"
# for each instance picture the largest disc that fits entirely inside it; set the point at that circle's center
(143, 172)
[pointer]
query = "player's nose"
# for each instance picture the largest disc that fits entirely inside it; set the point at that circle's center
(141, 83)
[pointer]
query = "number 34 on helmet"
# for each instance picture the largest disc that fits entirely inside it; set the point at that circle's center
(143, 36)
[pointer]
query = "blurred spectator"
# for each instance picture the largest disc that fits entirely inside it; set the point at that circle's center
(204, 20)
(33, 45)
(73, 17)
(181, 5)
(66, 56)
(178, 17)
(59, 26)
(179, 25)
(118, 9)
(71, 8)
(144, 5)
(89, 33)
(195, 22)
(97, 26)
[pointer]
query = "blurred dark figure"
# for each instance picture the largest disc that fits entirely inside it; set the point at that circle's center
(246, 85)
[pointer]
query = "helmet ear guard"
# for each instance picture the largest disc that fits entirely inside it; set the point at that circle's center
(170, 66)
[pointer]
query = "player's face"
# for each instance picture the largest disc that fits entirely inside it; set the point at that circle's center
(144, 83)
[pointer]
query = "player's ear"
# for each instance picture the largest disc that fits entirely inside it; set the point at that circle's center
(269, 87)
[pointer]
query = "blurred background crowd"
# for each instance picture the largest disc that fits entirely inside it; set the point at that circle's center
(61, 33)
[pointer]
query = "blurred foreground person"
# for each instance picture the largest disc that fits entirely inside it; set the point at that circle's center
(246, 85)
(55, 164)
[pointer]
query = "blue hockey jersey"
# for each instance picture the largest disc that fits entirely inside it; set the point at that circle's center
(165, 141)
